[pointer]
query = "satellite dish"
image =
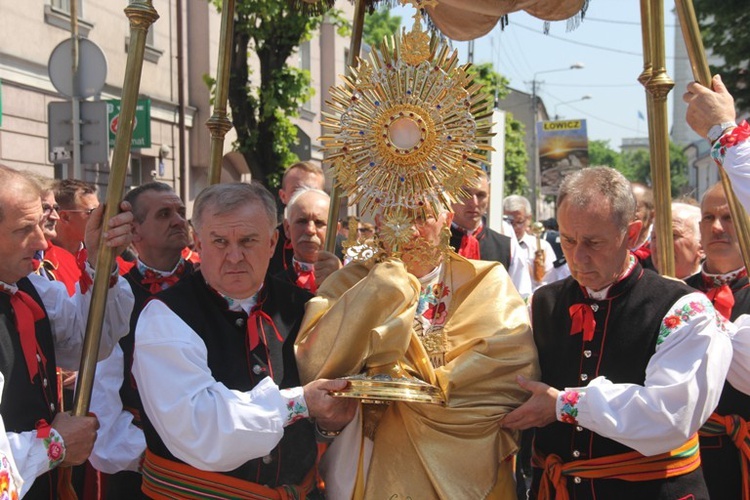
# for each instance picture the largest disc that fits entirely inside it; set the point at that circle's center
(92, 69)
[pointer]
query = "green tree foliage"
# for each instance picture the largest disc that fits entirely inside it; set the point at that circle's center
(262, 106)
(516, 157)
(724, 30)
(601, 154)
(378, 25)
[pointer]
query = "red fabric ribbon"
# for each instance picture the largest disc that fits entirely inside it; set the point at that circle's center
(583, 321)
(469, 247)
(643, 252)
(155, 281)
(85, 280)
(27, 312)
(723, 300)
(305, 278)
(255, 328)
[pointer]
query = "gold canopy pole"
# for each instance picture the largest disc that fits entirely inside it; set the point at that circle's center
(141, 15)
(702, 74)
(354, 48)
(219, 124)
(658, 84)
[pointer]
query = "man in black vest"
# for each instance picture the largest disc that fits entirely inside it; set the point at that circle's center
(306, 226)
(632, 363)
(215, 368)
(160, 233)
(723, 278)
(300, 174)
(41, 328)
(471, 238)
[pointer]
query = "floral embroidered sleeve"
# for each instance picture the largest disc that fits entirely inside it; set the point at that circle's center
(681, 386)
(730, 139)
(567, 405)
(736, 162)
(296, 407)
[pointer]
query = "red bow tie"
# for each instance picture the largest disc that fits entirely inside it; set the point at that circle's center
(469, 247)
(305, 278)
(157, 282)
(27, 312)
(85, 281)
(582, 317)
(723, 300)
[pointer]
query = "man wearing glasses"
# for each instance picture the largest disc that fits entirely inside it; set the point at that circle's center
(77, 199)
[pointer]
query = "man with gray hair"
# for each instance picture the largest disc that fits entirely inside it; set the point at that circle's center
(686, 234)
(233, 420)
(632, 362)
(305, 226)
(539, 259)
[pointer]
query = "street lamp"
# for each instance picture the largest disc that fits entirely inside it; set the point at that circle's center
(584, 98)
(534, 145)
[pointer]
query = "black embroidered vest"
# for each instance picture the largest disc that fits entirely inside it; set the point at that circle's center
(223, 332)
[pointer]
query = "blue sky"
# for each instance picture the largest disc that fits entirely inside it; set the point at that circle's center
(608, 44)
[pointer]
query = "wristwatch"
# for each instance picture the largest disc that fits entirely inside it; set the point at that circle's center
(717, 130)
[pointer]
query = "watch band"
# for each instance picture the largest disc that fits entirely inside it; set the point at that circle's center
(717, 130)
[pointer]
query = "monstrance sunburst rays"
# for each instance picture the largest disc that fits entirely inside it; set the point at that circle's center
(407, 127)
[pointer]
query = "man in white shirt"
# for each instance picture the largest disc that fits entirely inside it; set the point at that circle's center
(632, 363)
(518, 210)
(41, 328)
(232, 417)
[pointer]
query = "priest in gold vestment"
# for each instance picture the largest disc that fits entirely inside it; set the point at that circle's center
(457, 324)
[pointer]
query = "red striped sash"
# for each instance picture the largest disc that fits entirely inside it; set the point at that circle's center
(738, 431)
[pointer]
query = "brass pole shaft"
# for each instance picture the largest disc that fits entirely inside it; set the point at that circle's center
(219, 124)
(354, 48)
(141, 15)
(702, 74)
(658, 86)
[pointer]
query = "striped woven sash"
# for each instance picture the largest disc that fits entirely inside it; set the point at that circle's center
(165, 479)
(630, 466)
(738, 431)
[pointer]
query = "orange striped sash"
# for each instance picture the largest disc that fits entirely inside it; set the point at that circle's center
(631, 466)
(739, 432)
(165, 479)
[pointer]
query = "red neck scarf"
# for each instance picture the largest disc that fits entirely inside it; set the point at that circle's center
(26, 313)
(158, 281)
(582, 317)
(305, 276)
(470, 244)
(723, 300)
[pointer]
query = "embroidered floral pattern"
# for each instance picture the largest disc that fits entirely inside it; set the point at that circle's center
(569, 409)
(8, 487)
(55, 448)
(679, 316)
(717, 280)
(431, 305)
(735, 136)
(295, 411)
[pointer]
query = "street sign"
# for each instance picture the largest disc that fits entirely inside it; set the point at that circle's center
(94, 143)
(92, 69)
(141, 123)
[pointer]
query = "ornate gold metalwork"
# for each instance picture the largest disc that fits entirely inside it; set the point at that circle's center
(382, 389)
(658, 86)
(702, 74)
(141, 15)
(219, 124)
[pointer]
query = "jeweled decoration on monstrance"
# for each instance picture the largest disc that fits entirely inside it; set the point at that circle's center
(407, 129)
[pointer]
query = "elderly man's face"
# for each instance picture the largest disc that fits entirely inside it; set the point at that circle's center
(306, 226)
(520, 221)
(21, 228)
(235, 248)
(687, 249)
(51, 215)
(595, 248)
(718, 235)
(164, 227)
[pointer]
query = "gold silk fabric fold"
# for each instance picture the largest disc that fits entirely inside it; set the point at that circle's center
(469, 19)
(423, 450)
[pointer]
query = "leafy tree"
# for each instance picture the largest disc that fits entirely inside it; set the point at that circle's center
(516, 158)
(600, 153)
(378, 25)
(725, 34)
(636, 166)
(261, 110)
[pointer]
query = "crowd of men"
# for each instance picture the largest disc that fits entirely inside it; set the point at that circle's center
(226, 340)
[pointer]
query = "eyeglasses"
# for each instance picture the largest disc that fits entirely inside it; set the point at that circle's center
(86, 211)
(48, 209)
